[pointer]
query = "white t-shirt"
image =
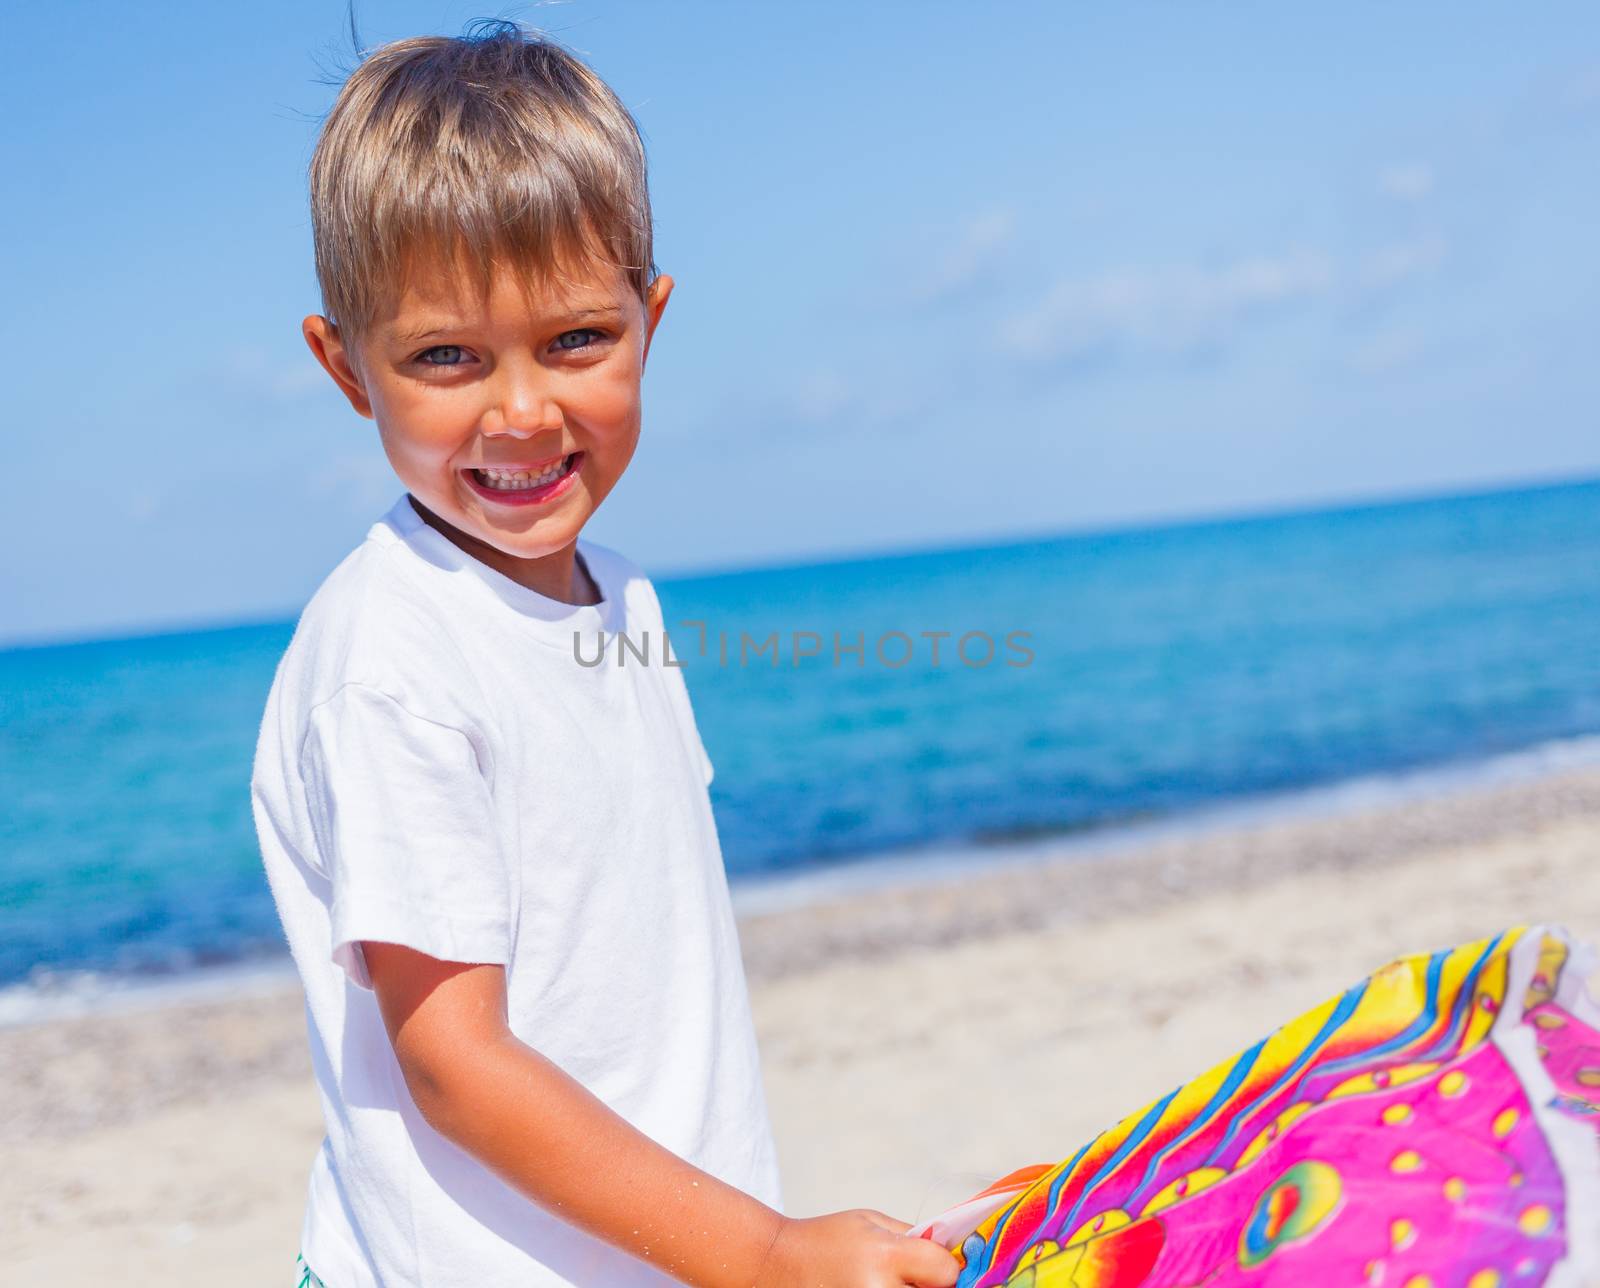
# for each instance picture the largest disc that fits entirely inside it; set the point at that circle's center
(437, 768)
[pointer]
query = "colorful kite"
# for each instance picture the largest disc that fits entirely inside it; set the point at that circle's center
(1437, 1126)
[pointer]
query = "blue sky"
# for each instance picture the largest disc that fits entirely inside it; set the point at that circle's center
(945, 273)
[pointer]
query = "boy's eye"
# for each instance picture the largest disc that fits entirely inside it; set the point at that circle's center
(441, 355)
(569, 340)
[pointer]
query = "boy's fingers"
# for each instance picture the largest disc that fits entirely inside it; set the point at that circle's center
(919, 1262)
(887, 1222)
(929, 1265)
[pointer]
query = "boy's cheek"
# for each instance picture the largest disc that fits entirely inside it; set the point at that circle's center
(435, 427)
(614, 449)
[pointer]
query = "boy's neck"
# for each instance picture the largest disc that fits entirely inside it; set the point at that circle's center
(560, 575)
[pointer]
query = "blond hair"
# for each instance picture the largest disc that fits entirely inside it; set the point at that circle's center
(461, 153)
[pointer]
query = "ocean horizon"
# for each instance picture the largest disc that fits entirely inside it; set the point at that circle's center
(1083, 685)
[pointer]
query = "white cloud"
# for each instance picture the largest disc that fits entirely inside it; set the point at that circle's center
(1407, 181)
(365, 480)
(985, 237)
(830, 400)
(819, 396)
(1390, 265)
(822, 402)
(1190, 309)
(298, 379)
(142, 504)
(1583, 90)
(254, 371)
(1170, 311)
(1387, 352)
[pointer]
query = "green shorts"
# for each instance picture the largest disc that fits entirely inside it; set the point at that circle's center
(303, 1276)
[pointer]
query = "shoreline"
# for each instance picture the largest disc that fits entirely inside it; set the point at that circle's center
(961, 1027)
(916, 873)
(1158, 868)
(122, 1033)
(856, 876)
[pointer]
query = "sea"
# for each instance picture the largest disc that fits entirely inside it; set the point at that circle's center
(929, 711)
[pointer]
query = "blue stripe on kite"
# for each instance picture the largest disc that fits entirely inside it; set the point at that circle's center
(1430, 1014)
(1342, 1012)
(1416, 1029)
(1236, 1076)
(1055, 1185)
(1135, 1138)
(1465, 997)
(1006, 1213)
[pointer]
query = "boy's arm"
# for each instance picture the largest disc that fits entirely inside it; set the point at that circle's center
(549, 1137)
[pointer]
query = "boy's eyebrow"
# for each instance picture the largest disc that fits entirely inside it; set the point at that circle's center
(415, 334)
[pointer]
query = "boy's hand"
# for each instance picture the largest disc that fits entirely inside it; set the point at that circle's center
(859, 1249)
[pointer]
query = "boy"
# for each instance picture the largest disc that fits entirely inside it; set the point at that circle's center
(497, 868)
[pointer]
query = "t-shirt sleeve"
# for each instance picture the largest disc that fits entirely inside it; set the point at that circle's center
(405, 824)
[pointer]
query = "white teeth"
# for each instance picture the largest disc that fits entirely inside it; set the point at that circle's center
(521, 480)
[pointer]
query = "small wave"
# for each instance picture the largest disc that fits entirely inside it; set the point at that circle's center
(66, 994)
(59, 995)
(764, 893)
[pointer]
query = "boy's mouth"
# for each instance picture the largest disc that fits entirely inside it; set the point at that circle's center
(524, 484)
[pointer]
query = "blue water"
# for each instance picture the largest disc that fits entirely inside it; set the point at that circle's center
(1171, 669)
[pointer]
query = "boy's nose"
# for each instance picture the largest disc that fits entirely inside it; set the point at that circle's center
(522, 407)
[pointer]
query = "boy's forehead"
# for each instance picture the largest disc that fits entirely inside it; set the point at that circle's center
(436, 293)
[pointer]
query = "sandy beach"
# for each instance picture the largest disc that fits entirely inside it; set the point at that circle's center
(917, 1040)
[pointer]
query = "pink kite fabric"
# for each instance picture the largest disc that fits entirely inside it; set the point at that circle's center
(1436, 1126)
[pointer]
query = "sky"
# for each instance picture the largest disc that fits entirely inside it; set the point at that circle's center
(946, 273)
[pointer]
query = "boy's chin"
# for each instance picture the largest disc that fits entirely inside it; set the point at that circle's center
(509, 531)
(519, 537)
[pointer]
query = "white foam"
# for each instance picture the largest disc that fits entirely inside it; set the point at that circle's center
(775, 892)
(67, 994)
(64, 994)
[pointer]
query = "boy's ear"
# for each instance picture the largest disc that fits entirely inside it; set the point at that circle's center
(323, 338)
(655, 301)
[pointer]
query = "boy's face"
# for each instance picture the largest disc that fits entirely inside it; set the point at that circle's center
(509, 418)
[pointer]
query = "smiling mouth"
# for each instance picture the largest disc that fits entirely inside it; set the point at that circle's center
(525, 480)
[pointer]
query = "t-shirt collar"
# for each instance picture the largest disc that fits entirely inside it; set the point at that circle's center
(437, 549)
